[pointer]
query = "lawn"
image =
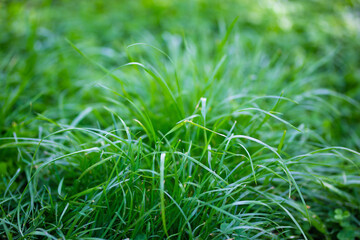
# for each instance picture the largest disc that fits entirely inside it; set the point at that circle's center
(184, 119)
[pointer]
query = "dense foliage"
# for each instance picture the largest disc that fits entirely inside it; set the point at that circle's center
(180, 119)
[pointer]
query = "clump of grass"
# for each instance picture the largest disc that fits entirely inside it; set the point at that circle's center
(200, 136)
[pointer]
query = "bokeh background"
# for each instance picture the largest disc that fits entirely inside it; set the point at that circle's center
(315, 40)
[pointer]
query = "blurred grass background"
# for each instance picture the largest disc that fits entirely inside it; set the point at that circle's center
(37, 60)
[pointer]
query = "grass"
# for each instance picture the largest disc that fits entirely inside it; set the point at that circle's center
(179, 120)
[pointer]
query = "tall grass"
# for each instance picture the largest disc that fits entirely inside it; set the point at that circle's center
(226, 128)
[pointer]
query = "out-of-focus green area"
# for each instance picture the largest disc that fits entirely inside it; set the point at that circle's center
(61, 60)
(38, 65)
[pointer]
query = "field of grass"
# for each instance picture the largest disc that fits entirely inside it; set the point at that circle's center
(201, 119)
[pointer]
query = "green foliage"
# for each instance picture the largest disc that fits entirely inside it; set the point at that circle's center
(179, 119)
(345, 225)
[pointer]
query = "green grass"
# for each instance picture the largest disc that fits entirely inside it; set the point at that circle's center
(179, 120)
